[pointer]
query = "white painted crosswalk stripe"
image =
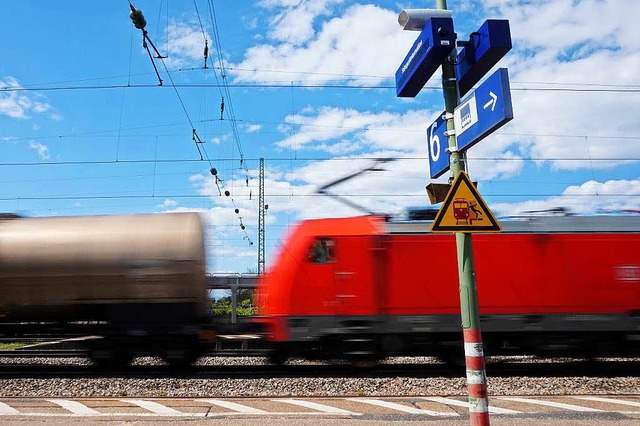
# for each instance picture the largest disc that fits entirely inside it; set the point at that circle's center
(154, 407)
(75, 407)
(553, 404)
(318, 407)
(7, 410)
(400, 407)
(455, 402)
(609, 400)
(233, 406)
(33, 407)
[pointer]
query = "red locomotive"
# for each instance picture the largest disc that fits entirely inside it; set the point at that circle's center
(363, 288)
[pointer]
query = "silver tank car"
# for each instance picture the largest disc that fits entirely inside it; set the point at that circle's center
(60, 267)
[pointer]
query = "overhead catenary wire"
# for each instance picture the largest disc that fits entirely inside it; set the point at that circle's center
(632, 90)
(573, 86)
(140, 23)
(303, 159)
(216, 40)
(225, 87)
(276, 195)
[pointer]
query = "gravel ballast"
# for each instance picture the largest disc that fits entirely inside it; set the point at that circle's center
(123, 386)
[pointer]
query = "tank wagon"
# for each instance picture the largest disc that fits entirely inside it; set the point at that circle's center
(137, 282)
(363, 288)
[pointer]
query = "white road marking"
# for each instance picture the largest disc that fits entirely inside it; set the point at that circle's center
(233, 406)
(447, 401)
(319, 407)
(552, 404)
(75, 407)
(400, 407)
(7, 410)
(608, 400)
(154, 407)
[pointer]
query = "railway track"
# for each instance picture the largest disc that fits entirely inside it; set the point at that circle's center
(73, 363)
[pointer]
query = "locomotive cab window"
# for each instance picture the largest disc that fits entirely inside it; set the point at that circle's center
(322, 250)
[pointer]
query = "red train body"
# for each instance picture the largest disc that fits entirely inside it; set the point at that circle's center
(358, 287)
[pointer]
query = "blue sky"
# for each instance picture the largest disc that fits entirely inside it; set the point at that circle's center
(85, 128)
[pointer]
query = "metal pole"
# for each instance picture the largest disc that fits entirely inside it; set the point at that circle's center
(234, 302)
(261, 217)
(474, 356)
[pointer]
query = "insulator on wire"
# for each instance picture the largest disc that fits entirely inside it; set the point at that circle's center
(137, 18)
(206, 53)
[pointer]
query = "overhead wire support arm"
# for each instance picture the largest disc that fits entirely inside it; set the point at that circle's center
(196, 139)
(140, 23)
(373, 168)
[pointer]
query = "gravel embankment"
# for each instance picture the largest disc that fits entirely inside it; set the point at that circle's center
(300, 387)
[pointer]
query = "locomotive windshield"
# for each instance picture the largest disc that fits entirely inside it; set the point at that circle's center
(322, 250)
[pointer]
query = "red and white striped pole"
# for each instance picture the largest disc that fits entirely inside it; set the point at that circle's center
(469, 310)
(476, 378)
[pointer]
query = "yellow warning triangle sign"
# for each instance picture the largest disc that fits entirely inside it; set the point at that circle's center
(464, 210)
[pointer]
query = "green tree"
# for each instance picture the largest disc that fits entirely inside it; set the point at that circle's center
(221, 307)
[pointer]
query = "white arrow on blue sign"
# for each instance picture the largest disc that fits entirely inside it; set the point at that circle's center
(487, 109)
(481, 113)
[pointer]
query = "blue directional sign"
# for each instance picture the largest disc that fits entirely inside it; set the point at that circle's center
(485, 48)
(430, 49)
(484, 111)
(437, 144)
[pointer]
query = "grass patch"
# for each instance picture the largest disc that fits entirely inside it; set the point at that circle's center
(12, 346)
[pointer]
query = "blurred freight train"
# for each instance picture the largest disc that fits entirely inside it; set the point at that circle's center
(136, 281)
(364, 288)
(357, 288)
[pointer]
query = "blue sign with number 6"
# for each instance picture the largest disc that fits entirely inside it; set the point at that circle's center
(437, 144)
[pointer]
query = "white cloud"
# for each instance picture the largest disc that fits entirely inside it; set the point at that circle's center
(168, 203)
(294, 24)
(19, 104)
(364, 41)
(589, 198)
(565, 45)
(569, 24)
(42, 150)
(314, 129)
(186, 44)
(253, 128)
(346, 131)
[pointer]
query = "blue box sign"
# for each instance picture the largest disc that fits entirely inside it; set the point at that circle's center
(484, 111)
(487, 46)
(437, 144)
(430, 49)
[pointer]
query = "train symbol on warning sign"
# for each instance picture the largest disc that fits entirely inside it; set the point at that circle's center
(464, 210)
